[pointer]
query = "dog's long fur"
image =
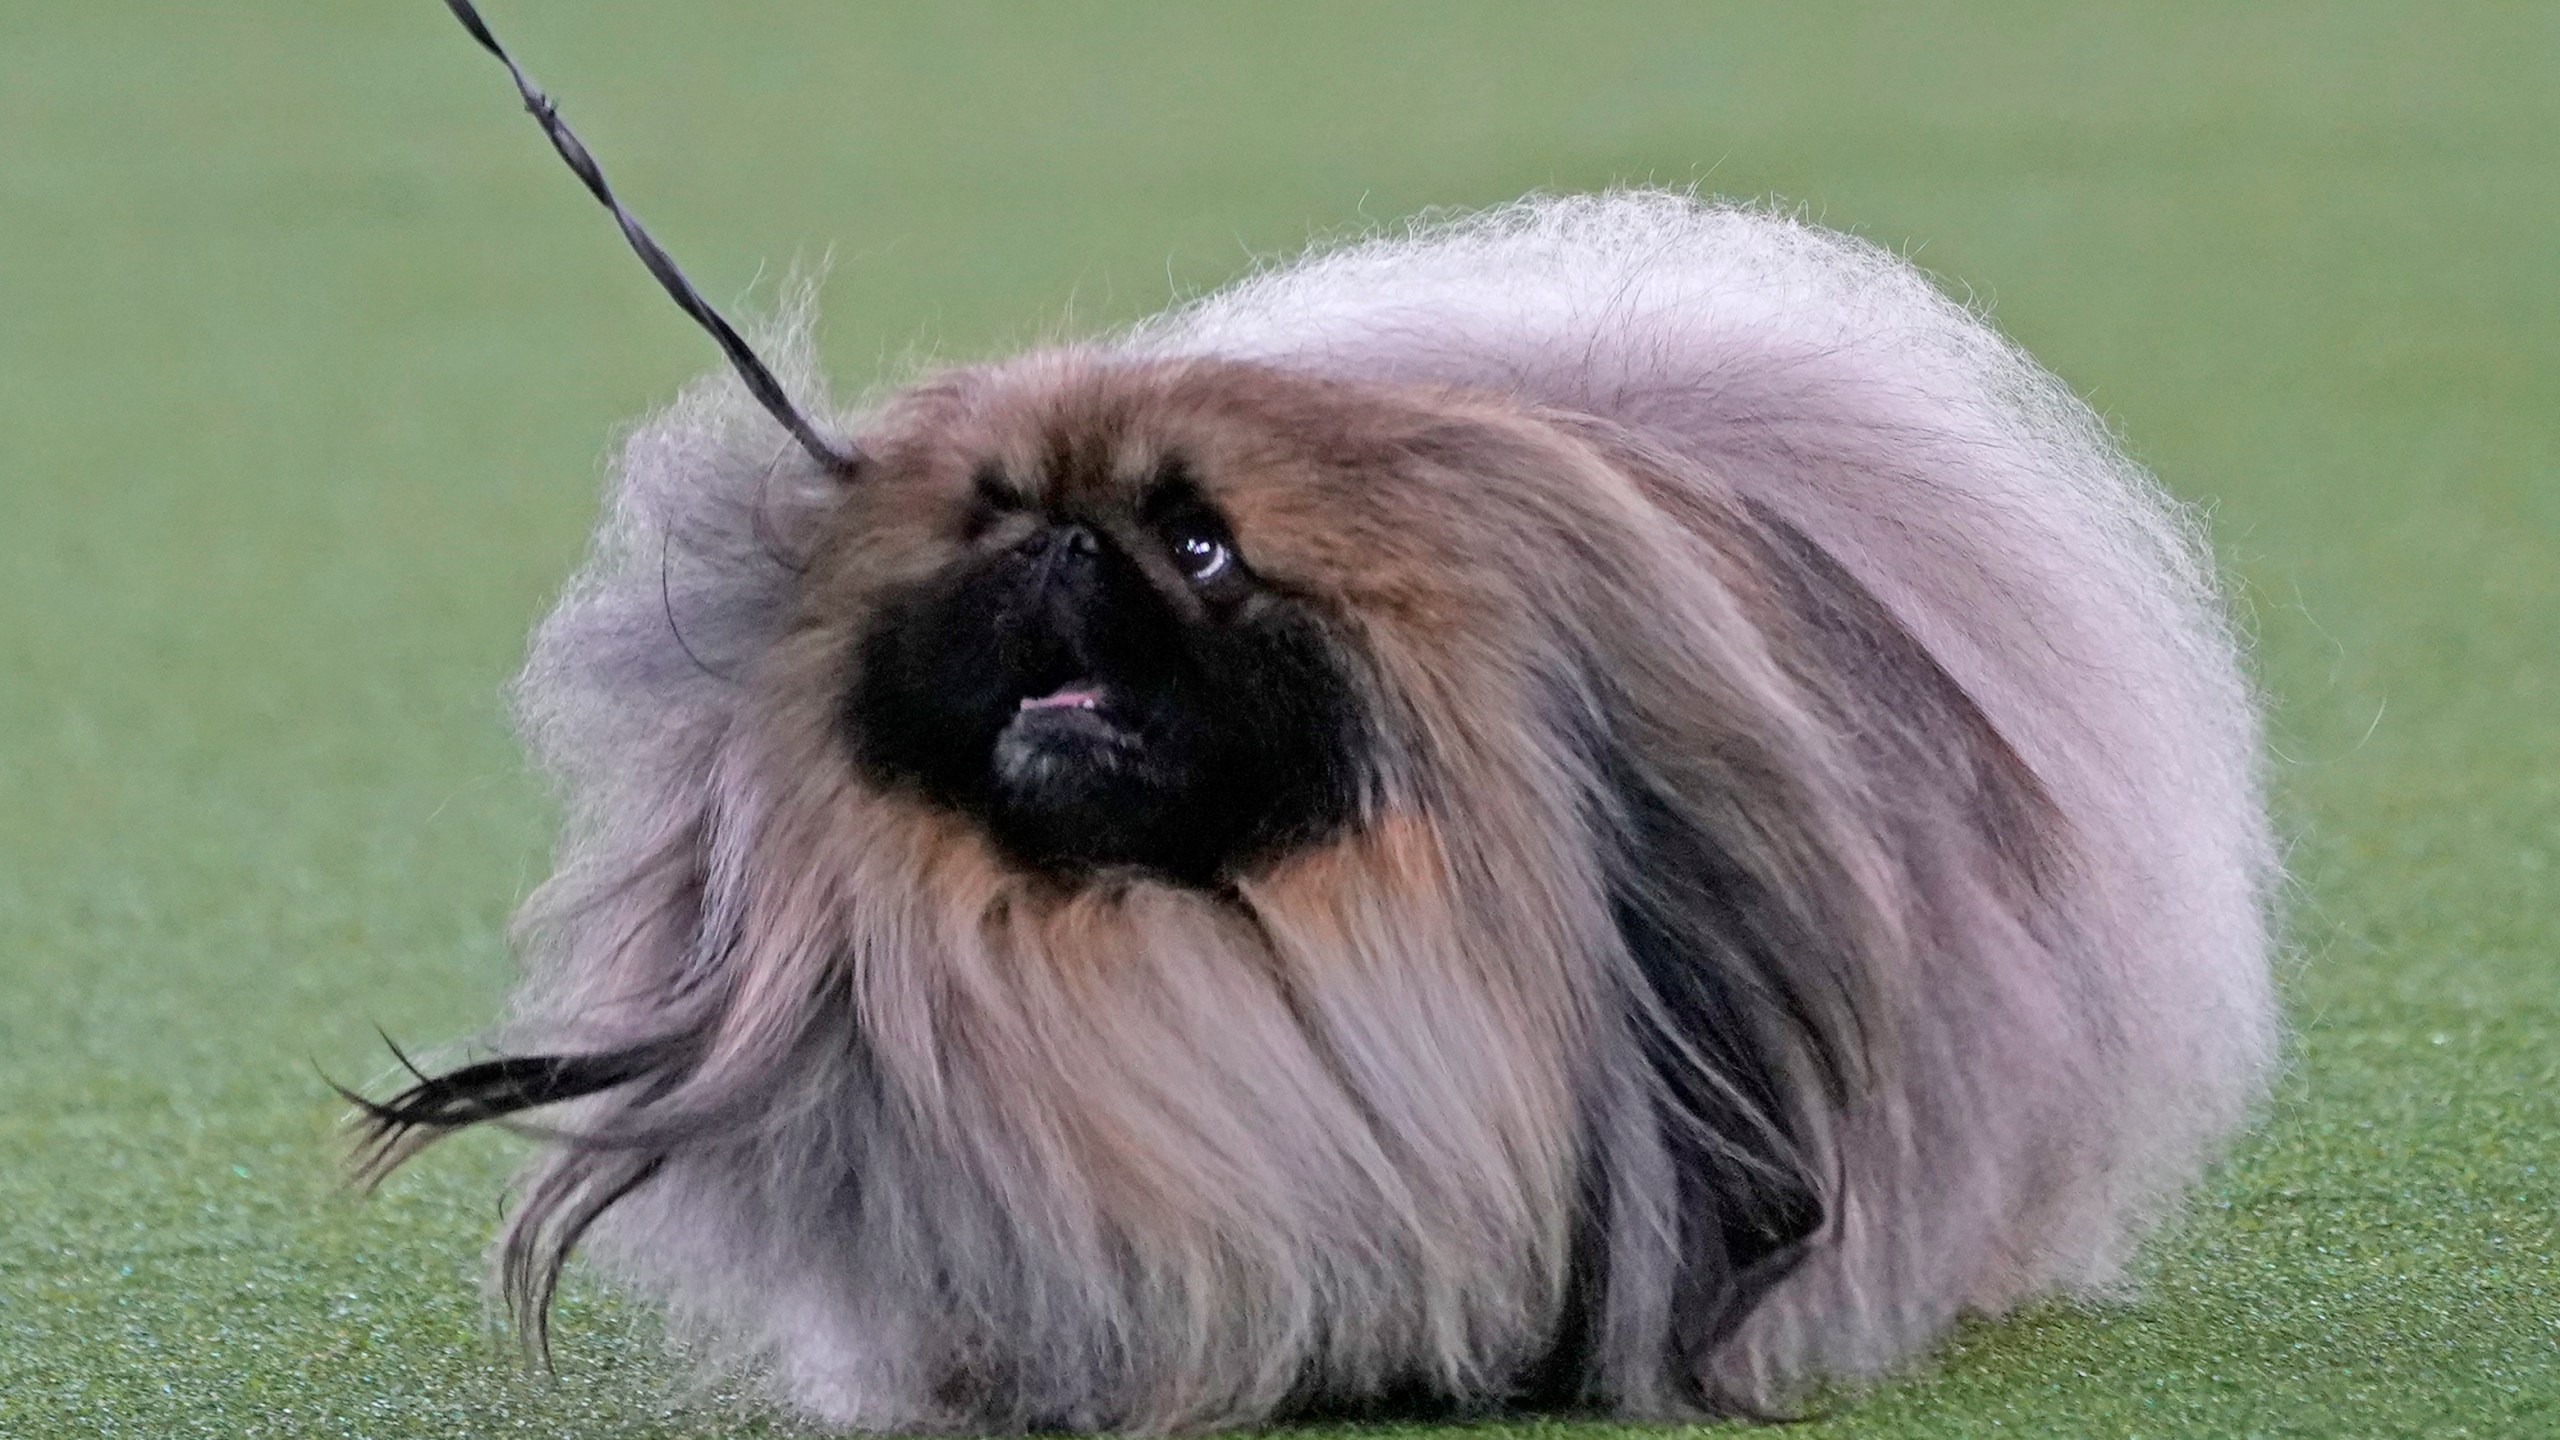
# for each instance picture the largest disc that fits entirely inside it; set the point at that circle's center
(1808, 880)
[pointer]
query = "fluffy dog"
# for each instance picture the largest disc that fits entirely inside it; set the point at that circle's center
(1611, 804)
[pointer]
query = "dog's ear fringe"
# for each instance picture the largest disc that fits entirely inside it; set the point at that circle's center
(389, 1132)
(566, 1201)
(556, 1213)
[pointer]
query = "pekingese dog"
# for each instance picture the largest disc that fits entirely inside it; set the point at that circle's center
(1611, 805)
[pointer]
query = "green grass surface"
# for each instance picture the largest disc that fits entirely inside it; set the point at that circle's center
(308, 353)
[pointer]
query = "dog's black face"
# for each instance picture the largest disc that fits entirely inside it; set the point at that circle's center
(1104, 682)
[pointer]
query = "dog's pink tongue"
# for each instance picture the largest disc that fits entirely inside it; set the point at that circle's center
(1075, 696)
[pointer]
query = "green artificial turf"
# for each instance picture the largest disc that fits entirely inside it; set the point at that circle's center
(309, 351)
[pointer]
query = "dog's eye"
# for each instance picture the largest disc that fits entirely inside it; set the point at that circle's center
(1202, 558)
(990, 500)
(1201, 550)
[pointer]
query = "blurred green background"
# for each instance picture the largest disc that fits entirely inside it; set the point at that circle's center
(309, 353)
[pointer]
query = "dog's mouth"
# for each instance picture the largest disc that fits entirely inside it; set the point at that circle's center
(1074, 695)
(1078, 723)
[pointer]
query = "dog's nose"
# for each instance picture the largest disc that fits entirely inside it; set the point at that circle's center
(1067, 538)
(1063, 564)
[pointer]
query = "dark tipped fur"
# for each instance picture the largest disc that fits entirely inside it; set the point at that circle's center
(1947, 737)
(1720, 1024)
(1729, 1004)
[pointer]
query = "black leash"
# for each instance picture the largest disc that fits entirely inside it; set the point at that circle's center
(836, 455)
